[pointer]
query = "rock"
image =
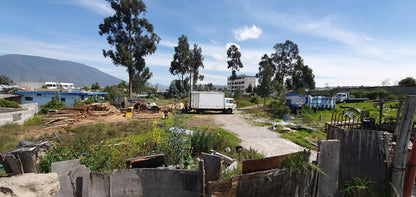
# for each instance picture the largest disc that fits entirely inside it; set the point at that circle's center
(30, 184)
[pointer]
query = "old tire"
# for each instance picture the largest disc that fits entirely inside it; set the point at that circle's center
(200, 111)
(229, 111)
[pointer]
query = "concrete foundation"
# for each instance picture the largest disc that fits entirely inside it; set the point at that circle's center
(18, 116)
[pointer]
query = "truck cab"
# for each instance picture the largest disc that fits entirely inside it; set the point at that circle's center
(230, 105)
(342, 97)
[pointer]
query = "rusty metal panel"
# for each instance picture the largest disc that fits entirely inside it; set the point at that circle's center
(152, 161)
(266, 163)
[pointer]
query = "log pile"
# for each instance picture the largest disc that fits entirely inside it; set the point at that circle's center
(172, 107)
(71, 115)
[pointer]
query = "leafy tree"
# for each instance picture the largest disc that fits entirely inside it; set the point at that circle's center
(209, 87)
(234, 62)
(131, 37)
(123, 85)
(265, 75)
(95, 86)
(302, 78)
(53, 104)
(85, 88)
(180, 64)
(195, 62)
(289, 68)
(285, 57)
(177, 89)
(5, 80)
(408, 81)
(238, 93)
(140, 80)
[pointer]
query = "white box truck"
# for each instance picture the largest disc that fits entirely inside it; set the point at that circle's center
(213, 101)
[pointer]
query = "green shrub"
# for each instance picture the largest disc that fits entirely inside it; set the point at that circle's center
(9, 104)
(299, 162)
(381, 93)
(255, 100)
(278, 107)
(356, 186)
(53, 104)
(359, 93)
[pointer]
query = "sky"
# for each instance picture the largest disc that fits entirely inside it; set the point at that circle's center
(346, 43)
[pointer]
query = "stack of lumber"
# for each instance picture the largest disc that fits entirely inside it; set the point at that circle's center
(70, 115)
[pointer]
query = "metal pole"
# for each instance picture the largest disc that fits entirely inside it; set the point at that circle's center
(405, 127)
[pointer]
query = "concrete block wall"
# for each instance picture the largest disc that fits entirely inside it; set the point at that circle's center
(147, 182)
(20, 116)
(76, 180)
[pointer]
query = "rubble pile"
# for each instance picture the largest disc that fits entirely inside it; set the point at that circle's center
(70, 115)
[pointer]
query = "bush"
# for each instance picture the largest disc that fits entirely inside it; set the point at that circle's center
(9, 104)
(254, 99)
(279, 107)
(357, 186)
(359, 93)
(382, 94)
(53, 104)
(238, 93)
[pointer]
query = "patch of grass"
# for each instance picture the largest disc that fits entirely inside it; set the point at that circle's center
(8, 136)
(34, 123)
(234, 140)
(9, 132)
(301, 137)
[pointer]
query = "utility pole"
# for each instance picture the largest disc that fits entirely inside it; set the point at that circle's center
(404, 128)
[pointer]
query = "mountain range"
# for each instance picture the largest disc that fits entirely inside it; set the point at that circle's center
(41, 69)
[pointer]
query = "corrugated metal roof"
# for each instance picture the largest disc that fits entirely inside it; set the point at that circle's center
(63, 93)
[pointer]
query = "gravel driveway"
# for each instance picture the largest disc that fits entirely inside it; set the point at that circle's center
(262, 139)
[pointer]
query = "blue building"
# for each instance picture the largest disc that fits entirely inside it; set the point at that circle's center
(68, 97)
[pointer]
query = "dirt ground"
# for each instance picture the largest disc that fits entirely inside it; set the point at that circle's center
(90, 120)
(262, 139)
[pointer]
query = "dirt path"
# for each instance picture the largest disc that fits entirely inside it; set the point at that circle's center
(260, 138)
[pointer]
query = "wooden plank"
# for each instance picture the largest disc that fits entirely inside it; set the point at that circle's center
(404, 128)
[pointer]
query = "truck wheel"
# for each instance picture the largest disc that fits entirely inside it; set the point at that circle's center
(200, 111)
(229, 111)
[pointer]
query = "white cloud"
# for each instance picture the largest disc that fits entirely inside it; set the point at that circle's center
(99, 6)
(246, 33)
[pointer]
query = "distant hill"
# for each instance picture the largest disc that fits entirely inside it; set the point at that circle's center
(40, 69)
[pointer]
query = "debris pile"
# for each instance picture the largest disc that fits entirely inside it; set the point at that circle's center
(70, 115)
(143, 106)
(172, 107)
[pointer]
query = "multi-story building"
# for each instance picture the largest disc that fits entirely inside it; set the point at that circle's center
(242, 81)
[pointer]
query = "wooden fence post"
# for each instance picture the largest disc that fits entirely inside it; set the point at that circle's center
(404, 128)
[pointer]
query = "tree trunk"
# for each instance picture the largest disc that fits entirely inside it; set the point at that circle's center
(131, 74)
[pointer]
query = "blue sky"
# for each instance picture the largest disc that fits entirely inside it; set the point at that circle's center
(344, 42)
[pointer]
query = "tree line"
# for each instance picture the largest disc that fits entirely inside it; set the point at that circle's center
(131, 38)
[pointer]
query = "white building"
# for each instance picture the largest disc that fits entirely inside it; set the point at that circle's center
(242, 81)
